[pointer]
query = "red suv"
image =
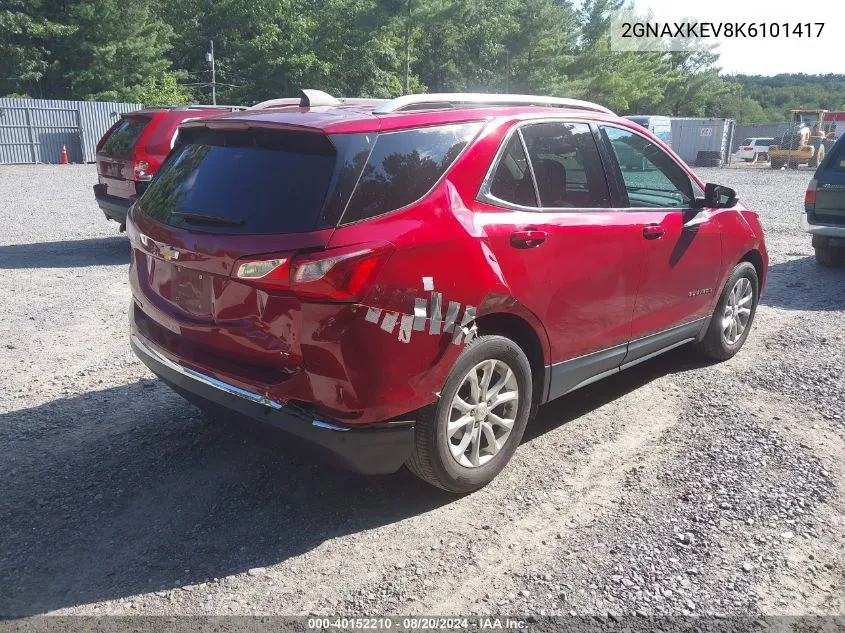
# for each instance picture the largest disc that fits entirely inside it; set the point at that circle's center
(405, 282)
(132, 150)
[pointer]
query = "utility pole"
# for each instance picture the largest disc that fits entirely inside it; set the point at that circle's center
(407, 70)
(209, 57)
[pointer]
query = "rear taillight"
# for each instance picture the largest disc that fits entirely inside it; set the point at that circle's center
(340, 274)
(143, 169)
(747, 149)
(810, 196)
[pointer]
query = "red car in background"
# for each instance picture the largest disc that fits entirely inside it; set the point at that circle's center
(405, 282)
(132, 150)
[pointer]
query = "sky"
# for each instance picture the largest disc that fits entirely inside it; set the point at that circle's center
(758, 56)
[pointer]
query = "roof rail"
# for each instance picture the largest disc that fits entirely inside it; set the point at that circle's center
(209, 107)
(447, 100)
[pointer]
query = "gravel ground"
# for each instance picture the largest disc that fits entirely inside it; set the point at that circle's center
(673, 488)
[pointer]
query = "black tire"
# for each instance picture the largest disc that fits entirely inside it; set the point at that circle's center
(776, 164)
(714, 344)
(817, 157)
(432, 459)
(830, 256)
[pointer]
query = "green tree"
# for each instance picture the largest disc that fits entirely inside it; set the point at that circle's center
(163, 90)
(154, 52)
(623, 81)
(27, 37)
(120, 49)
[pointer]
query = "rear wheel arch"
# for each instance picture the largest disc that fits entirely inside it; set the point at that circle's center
(523, 334)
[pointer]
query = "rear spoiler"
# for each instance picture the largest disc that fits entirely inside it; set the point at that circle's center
(226, 123)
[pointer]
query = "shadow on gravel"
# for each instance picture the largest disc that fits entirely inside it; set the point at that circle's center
(580, 402)
(130, 490)
(101, 251)
(801, 284)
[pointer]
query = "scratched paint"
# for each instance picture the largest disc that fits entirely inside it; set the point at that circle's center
(420, 311)
(430, 310)
(389, 321)
(405, 328)
(451, 316)
(372, 315)
(435, 313)
(464, 330)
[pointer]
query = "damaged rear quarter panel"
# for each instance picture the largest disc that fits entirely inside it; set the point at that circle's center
(407, 333)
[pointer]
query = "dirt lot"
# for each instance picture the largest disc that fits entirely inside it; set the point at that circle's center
(675, 487)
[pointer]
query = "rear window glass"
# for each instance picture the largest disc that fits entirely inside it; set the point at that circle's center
(836, 161)
(122, 138)
(747, 141)
(403, 166)
(249, 182)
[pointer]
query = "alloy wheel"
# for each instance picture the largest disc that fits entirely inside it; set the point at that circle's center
(482, 413)
(737, 311)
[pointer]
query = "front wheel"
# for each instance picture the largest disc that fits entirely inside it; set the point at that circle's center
(468, 436)
(817, 157)
(734, 314)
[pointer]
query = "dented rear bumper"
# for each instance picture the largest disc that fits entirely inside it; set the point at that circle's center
(368, 449)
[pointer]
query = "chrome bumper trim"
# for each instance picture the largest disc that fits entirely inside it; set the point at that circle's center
(328, 425)
(142, 345)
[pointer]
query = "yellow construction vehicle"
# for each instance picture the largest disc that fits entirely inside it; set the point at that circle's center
(810, 135)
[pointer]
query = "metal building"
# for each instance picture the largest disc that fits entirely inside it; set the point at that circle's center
(34, 130)
(703, 141)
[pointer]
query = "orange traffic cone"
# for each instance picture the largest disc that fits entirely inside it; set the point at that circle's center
(63, 160)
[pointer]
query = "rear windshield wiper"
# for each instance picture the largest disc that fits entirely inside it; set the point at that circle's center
(202, 218)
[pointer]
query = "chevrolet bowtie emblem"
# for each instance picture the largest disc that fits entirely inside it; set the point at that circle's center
(169, 253)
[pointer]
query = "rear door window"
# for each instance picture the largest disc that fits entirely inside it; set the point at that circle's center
(566, 164)
(403, 166)
(246, 182)
(513, 181)
(122, 138)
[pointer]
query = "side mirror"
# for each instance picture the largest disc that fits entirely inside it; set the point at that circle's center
(717, 197)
